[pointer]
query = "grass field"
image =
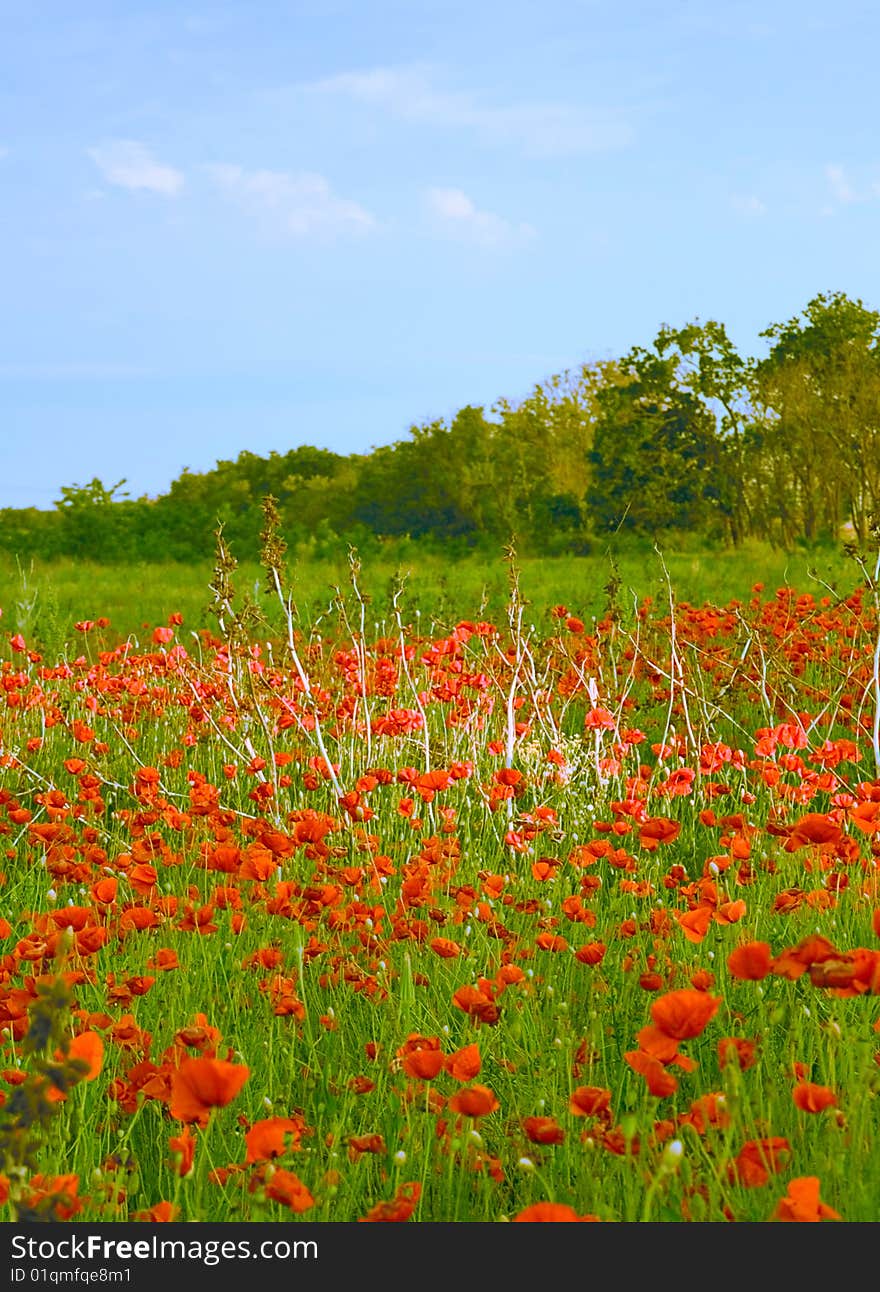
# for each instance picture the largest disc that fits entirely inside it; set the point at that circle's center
(47, 599)
(521, 900)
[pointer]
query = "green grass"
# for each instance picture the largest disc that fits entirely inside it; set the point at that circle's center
(43, 601)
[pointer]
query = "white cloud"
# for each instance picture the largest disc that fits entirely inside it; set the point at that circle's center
(841, 188)
(298, 204)
(129, 164)
(537, 129)
(453, 212)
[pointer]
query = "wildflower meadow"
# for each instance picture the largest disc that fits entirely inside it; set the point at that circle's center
(539, 917)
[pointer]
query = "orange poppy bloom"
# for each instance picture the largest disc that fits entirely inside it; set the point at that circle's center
(184, 1147)
(465, 1063)
(660, 1082)
(289, 1190)
(758, 1158)
(104, 891)
(708, 1110)
(593, 953)
(795, 961)
(424, 1064)
(164, 959)
(814, 828)
(138, 917)
(811, 1098)
(445, 948)
(543, 1130)
(658, 1044)
(657, 830)
(61, 1192)
(479, 1004)
(849, 974)
(685, 1013)
(474, 1101)
(552, 1212)
(802, 1202)
(162, 1212)
(547, 941)
(400, 1208)
(695, 924)
(359, 1144)
(731, 912)
(589, 1101)
(421, 1056)
(87, 1052)
(752, 961)
(265, 1139)
(866, 816)
(199, 1085)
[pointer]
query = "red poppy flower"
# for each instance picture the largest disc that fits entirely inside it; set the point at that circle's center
(795, 961)
(802, 1202)
(684, 1014)
(445, 948)
(289, 1190)
(660, 1083)
(593, 953)
(657, 830)
(695, 924)
(552, 1212)
(752, 961)
(199, 1085)
(758, 1158)
(465, 1063)
(266, 1139)
(423, 1065)
(161, 1213)
(183, 1146)
(543, 1130)
(589, 1101)
(657, 1043)
(400, 1208)
(478, 1003)
(87, 1052)
(474, 1101)
(811, 1098)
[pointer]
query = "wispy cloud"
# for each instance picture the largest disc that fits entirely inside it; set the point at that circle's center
(453, 212)
(536, 129)
(129, 164)
(4, 151)
(298, 204)
(841, 189)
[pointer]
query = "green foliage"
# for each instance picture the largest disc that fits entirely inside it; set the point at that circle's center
(685, 436)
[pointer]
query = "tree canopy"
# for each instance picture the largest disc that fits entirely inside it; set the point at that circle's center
(685, 435)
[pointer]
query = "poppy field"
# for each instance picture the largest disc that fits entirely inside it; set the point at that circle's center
(538, 917)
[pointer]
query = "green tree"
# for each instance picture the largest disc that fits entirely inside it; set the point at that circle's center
(657, 447)
(820, 388)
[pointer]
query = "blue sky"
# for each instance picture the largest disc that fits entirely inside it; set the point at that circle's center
(256, 225)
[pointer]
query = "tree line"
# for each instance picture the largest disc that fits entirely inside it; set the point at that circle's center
(684, 436)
